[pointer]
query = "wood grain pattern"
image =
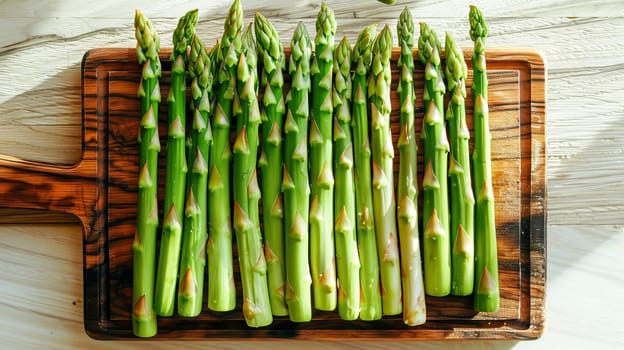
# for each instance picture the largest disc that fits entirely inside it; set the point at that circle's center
(101, 191)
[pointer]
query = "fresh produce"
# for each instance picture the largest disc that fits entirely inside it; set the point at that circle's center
(221, 289)
(487, 296)
(414, 308)
(384, 205)
(321, 176)
(193, 261)
(460, 186)
(321, 159)
(370, 302)
(436, 240)
(144, 245)
(175, 183)
(256, 307)
(347, 257)
(272, 60)
(295, 185)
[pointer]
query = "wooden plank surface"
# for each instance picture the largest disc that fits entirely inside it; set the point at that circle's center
(43, 44)
(517, 114)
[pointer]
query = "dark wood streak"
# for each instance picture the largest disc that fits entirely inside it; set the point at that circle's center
(100, 190)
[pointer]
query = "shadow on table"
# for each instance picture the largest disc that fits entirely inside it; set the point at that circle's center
(49, 128)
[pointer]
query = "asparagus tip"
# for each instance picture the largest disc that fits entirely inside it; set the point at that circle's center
(137, 240)
(430, 181)
(487, 284)
(250, 310)
(269, 254)
(463, 243)
(291, 294)
(145, 179)
(406, 209)
(191, 207)
(434, 226)
(188, 286)
(141, 309)
(277, 209)
(281, 290)
(486, 193)
(241, 220)
(391, 252)
(172, 220)
(328, 279)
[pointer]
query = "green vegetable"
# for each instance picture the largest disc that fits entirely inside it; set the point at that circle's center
(175, 182)
(193, 261)
(271, 54)
(487, 297)
(384, 206)
(347, 257)
(322, 179)
(221, 289)
(414, 308)
(436, 240)
(256, 306)
(295, 184)
(370, 302)
(144, 246)
(462, 198)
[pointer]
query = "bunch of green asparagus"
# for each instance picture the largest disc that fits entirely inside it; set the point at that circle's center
(294, 153)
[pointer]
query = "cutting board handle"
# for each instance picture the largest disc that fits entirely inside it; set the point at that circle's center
(32, 185)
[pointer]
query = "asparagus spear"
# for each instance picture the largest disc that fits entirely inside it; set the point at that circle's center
(414, 309)
(462, 198)
(384, 206)
(271, 54)
(144, 246)
(193, 260)
(256, 307)
(370, 302)
(347, 257)
(175, 183)
(322, 183)
(295, 179)
(487, 296)
(221, 290)
(436, 245)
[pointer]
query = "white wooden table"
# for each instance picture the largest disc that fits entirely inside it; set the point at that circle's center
(41, 47)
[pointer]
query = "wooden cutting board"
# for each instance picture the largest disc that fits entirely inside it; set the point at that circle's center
(101, 191)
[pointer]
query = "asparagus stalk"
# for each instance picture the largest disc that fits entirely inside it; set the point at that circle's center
(295, 179)
(487, 296)
(347, 257)
(256, 306)
(271, 54)
(144, 246)
(322, 183)
(193, 260)
(221, 290)
(384, 206)
(414, 309)
(175, 182)
(436, 244)
(370, 303)
(462, 198)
